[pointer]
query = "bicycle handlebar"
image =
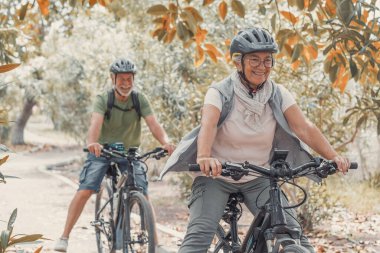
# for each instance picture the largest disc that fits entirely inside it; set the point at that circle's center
(156, 153)
(323, 168)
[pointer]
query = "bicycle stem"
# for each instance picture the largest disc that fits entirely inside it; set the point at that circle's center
(275, 206)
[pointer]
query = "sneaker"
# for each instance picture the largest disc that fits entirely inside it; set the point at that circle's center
(61, 245)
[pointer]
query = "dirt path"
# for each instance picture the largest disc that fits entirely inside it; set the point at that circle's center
(42, 198)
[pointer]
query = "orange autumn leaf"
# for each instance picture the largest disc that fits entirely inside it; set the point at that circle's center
(293, 39)
(222, 10)
(38, 250)
(44, 6)
(213, 49)
(200, 36)
(312, 51)
(212, 56)
(92, 2)
(102, 2)
(289, 16)
(295, 65)
(227, 42)
(331, 7)
(8, 67)
(199, 56)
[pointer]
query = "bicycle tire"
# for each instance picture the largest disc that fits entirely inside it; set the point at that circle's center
(222, 244)
(105, 231)
(294, 248)
(139, 225)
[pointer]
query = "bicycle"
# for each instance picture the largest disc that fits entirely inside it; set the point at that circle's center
(124, 220)
(268, 231)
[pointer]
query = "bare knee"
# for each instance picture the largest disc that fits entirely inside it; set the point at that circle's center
(84, 194)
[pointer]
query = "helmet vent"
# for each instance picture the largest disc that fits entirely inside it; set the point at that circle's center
(257, 37)
(246, 36)
(266, 37)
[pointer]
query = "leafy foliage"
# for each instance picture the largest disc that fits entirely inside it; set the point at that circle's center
(317, 207)
(346, 32)
(8, 240)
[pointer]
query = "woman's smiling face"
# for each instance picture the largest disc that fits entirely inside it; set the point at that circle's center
(257, 67)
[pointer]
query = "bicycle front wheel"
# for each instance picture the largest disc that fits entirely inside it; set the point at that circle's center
(104, 224)
(139, 225)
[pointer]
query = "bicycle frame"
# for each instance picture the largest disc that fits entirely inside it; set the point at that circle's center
(269, 226)
(113, 218)
(268, 229)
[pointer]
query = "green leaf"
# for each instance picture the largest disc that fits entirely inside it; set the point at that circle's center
(262, 9)
(273, 22)
(4, 239)
(333, 73)
(313, 4)
(158, 10)
(72, 3)
(362, 120)
(345, 10)
(182, 32)
(297, 52)
(327, 49)
(23, 10)
(359, 9)
(300, 4)
(12, 219)
(353, 68)
(238, 8)
(2, 178)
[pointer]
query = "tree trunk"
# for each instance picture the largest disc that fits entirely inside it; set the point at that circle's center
(17, 136)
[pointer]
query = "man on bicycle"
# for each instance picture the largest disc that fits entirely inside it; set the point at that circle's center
(244, 118)
(122, 125)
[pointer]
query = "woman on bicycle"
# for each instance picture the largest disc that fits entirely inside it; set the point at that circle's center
(245, 117)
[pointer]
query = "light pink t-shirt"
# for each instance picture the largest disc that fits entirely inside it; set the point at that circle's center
(236, 141)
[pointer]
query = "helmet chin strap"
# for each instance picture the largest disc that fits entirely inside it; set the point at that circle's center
(251, 91)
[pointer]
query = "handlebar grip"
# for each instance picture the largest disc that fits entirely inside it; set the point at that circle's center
(354, 166)
(86, 150)
(194, 167)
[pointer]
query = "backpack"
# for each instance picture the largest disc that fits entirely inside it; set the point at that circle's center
(111, 101)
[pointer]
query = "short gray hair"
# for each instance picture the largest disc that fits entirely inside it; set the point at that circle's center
(236, 57)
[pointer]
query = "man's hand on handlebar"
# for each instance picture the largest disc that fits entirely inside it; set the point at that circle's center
(209, 163)
(95, 148)
(169, 147)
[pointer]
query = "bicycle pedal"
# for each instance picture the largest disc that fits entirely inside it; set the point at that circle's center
(96, 223)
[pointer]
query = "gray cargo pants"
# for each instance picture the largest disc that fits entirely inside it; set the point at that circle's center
(207, 202)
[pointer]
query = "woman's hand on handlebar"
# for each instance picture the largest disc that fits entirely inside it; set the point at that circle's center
(343, 163)
(210, 164)
(95, 148)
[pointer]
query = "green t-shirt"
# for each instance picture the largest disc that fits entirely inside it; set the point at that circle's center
(123, 126)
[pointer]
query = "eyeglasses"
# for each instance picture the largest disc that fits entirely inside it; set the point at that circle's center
(255, 62)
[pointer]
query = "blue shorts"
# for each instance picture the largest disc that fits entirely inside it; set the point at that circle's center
(95, 168)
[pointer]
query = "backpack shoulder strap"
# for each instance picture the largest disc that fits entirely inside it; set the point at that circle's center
(136, 103)
(110, 102)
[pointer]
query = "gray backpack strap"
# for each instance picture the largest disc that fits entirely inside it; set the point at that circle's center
(136, 103)
(110, 102)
